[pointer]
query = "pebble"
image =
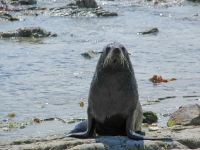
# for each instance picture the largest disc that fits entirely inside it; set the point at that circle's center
(153, 128)
(5, 129)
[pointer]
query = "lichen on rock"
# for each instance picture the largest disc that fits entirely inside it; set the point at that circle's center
(186, 115)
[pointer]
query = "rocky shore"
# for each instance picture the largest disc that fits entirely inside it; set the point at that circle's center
(184, 136)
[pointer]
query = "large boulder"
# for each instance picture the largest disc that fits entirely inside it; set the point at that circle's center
(186, 115)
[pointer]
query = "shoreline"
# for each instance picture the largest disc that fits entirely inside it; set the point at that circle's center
(184, 137)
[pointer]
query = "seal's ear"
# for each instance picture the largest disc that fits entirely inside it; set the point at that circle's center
(129, 53)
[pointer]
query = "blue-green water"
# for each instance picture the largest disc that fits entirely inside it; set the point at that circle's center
(51, 78)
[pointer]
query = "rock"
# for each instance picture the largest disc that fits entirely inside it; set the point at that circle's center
(186, 115)
(149, 31)
(89, 54)
(27, 2)
(94, 146)
(30, 13)
(149, 117)
(79, 8)
(5, 129)
(153, 128)
(6, 16)
(100, 143)
(53, 35)
(188, 136)
(196, 1)
(84, 3)
(26, 32)
(184, 137)
(101, 12)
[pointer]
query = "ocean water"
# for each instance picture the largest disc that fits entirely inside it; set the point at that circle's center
(50, 78)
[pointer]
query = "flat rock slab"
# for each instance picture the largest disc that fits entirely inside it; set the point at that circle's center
(183, 138)
(75, 11)
(26, 32)
(80, 8)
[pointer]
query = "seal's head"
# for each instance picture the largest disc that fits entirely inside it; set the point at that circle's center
(115, 55)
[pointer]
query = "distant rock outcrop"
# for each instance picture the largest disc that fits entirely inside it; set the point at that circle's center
(26, 32)
(80, 8)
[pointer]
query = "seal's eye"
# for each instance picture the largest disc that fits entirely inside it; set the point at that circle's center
(123, 48)
(107, 49)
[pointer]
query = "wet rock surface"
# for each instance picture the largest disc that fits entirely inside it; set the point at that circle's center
(149, 31)
(90, 54)
(27, 2)
(185, 138)
(186, 115)
(77, 8)
(84, 3)
(7, 16)
(80, 8)
(27, 32)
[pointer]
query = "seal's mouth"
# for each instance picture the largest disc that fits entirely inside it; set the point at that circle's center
(115, 61)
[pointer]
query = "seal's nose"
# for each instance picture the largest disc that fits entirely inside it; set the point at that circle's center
(116, 50)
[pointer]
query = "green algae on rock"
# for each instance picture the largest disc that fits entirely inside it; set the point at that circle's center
(186, 115)
(149, 31)
(149, 117)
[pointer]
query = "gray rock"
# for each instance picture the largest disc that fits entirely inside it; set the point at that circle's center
(89, 54)
(94, 146)
(185, 138)
(80, 8)
(186, 115)
(7, 16)
(149, 31)
(26, 32)
(27, 2)
(84, 3)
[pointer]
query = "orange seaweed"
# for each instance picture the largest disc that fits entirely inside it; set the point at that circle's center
(36, 120)
(157, 79)
(11, 115)
(173, 79)
(81, 104)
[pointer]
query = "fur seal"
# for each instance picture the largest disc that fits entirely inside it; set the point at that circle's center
(113, 103)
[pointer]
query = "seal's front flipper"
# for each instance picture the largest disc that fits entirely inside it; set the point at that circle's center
(133, 127)
(80, 127)
(84, 129)
(135, 136)
(140, 132)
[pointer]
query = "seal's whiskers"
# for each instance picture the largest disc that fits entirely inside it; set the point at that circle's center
(127, 64)
(122, 59)
(107, 59)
